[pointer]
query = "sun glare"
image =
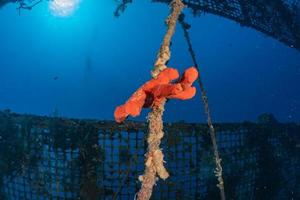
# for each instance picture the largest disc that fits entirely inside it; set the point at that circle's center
(63, 8)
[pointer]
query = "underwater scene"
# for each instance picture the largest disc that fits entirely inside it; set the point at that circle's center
(149, 99)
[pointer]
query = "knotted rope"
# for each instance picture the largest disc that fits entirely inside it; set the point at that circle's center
(154, 157)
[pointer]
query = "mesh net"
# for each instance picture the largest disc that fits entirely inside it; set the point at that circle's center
(277, 18)
(53, 158)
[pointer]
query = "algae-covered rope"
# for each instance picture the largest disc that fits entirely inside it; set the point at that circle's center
(218, 170)
(154, 157)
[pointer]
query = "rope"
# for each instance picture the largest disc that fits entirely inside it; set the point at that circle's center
(154, 157)
(218, 169)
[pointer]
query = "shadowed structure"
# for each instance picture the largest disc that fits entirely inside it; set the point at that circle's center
(279, 19)
(56, 158)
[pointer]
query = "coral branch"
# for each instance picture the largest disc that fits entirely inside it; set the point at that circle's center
(23, 5)
(121, 7)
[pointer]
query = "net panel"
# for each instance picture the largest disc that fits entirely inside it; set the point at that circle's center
(279, 19)
(53, 158)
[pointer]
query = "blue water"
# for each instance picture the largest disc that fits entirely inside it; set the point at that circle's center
(84, 65)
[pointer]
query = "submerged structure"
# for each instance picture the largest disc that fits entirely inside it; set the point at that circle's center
(279, 19)
(55, 158)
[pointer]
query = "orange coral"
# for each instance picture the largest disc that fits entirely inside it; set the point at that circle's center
(154, 91)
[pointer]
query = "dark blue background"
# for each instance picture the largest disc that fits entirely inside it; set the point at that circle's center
(87, 64)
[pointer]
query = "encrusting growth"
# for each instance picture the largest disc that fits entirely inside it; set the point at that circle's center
(154, 94)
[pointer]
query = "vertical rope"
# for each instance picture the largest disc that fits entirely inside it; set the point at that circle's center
(218, 170)
(154, 157)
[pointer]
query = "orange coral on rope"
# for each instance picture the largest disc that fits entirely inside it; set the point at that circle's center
(154, 91)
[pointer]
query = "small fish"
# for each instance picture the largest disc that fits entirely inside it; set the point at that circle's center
(55, 78)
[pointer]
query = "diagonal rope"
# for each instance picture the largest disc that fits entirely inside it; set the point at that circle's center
(218, 170)
(154, 157)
